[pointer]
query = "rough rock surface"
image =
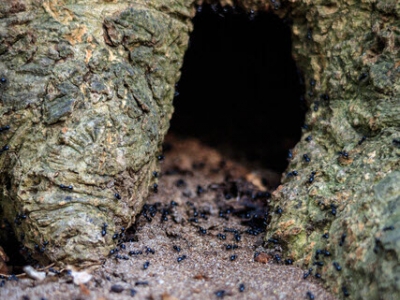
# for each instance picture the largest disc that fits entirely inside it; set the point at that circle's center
(349, 53)
(85, 100)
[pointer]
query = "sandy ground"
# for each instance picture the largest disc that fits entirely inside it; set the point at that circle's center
(212, 210)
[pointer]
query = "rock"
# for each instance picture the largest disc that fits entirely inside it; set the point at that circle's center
(32, 273)
(86, 89)
(348, 53)
(79, 277)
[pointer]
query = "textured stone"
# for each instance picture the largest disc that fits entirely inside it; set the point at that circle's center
(348, 52)
(87, 92)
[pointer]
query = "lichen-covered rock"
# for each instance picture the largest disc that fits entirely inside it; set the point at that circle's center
(86, 96)
(349, 53)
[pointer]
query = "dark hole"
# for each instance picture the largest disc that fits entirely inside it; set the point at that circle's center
(240, 90)
(13, 249)
(13, 254)
(379, 46)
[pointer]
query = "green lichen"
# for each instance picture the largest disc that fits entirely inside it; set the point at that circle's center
(350, 49)
(88, 97)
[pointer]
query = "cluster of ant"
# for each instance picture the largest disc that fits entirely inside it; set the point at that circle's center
(255, 223)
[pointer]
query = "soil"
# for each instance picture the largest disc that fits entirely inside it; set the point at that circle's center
(217, 204)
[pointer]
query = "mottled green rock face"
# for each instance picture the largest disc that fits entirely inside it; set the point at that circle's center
(349, 53)
(87, 90)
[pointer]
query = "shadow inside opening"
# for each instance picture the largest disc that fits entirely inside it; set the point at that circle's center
(240, 90)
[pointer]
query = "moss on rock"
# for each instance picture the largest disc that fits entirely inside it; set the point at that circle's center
(348, 51)
(87, 89)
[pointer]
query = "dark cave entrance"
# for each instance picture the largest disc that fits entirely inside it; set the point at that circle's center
(240, 90)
